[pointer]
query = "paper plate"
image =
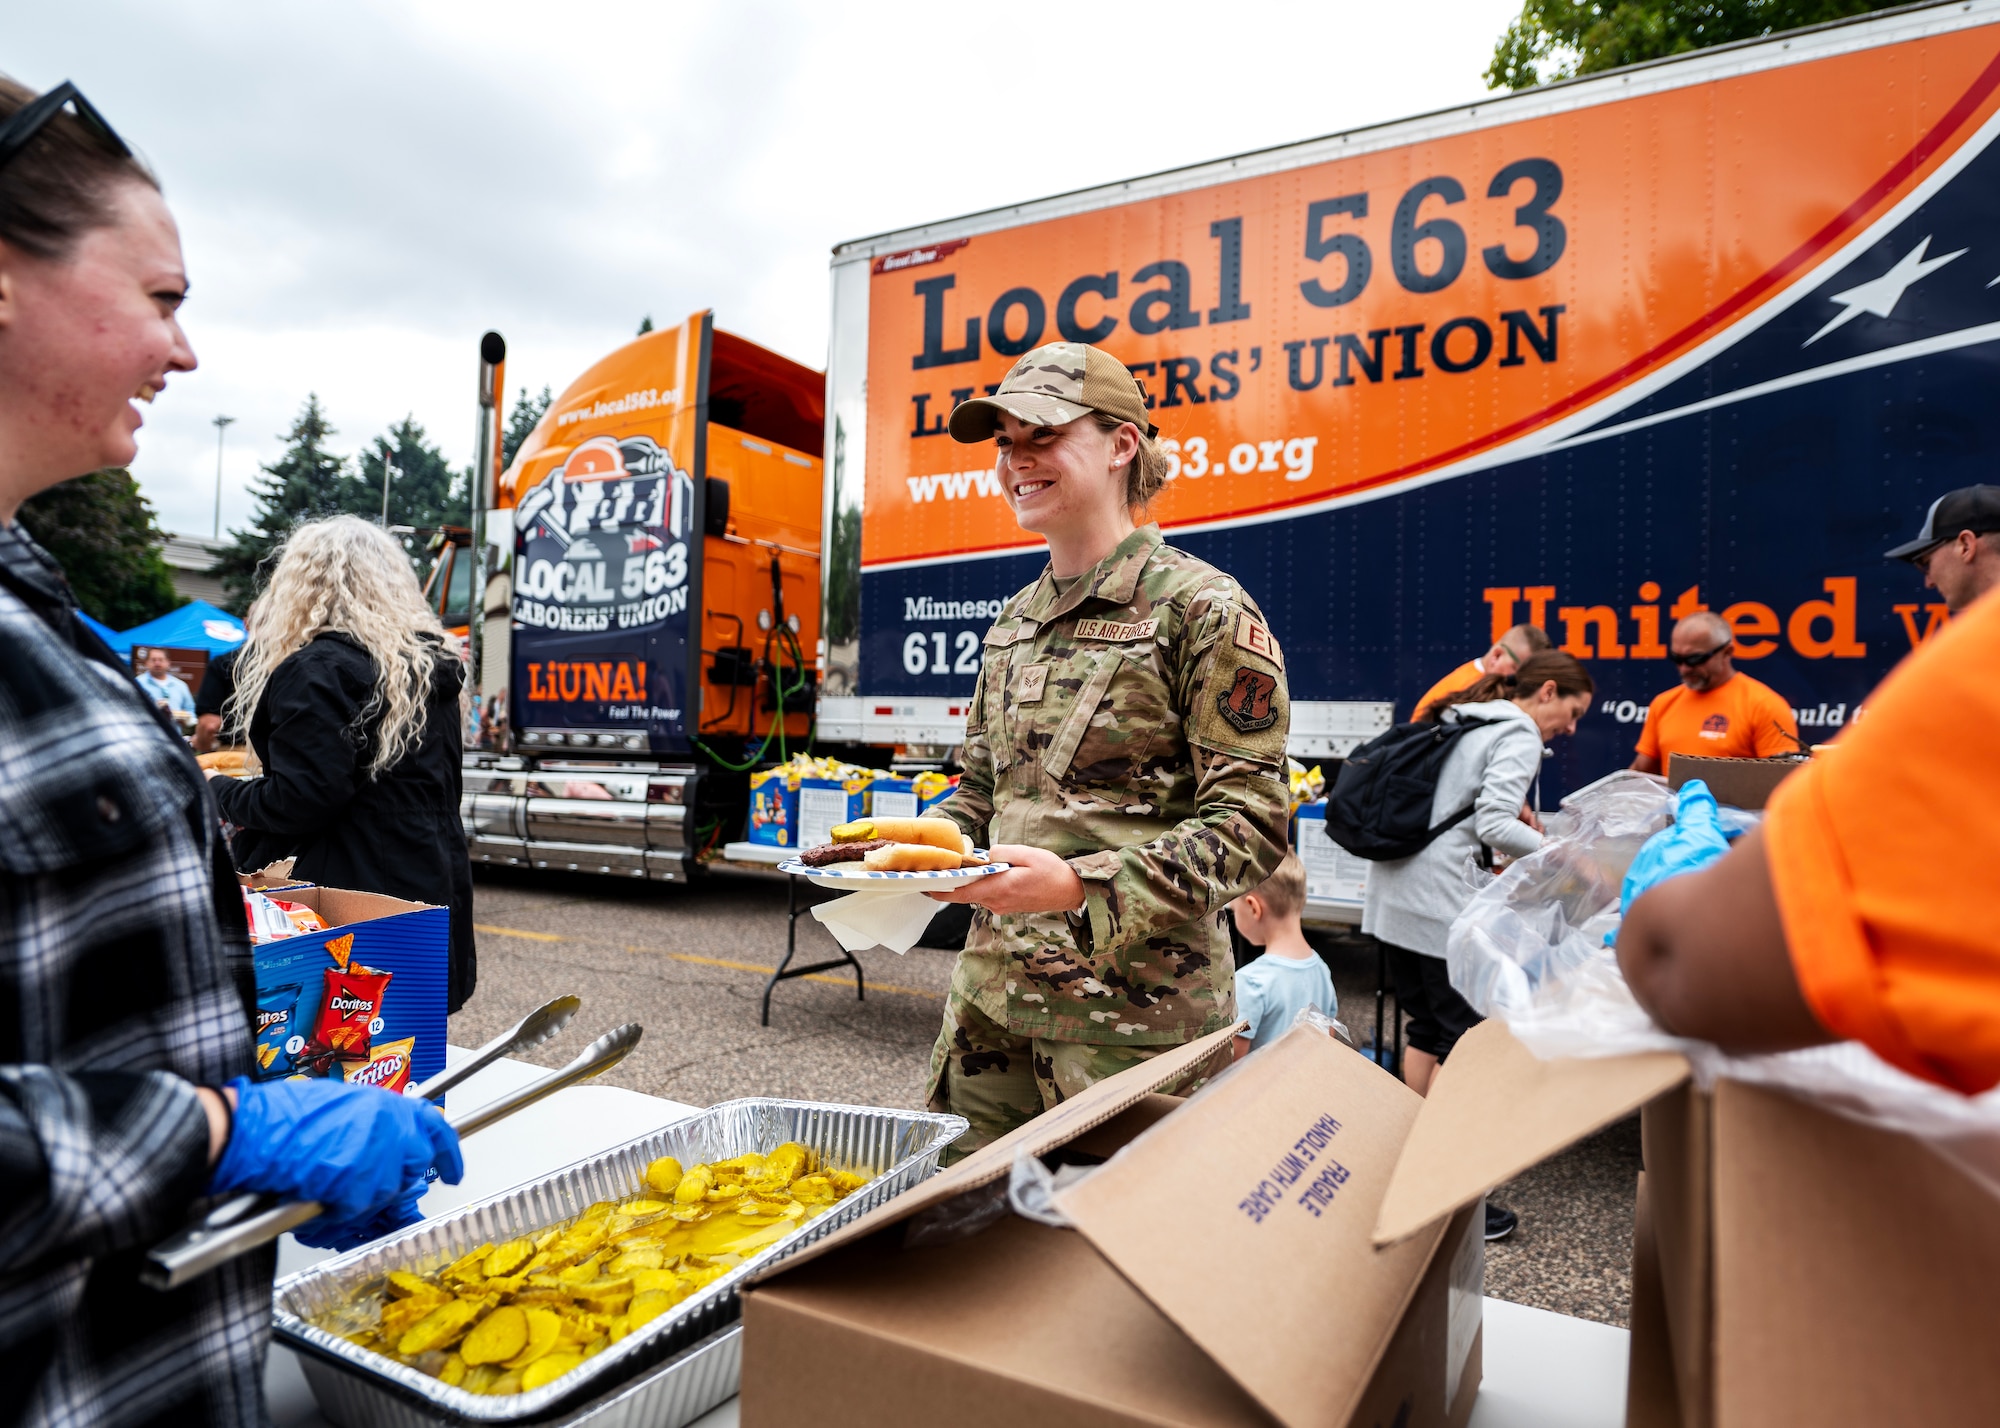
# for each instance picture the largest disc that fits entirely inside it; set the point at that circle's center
(861, 878)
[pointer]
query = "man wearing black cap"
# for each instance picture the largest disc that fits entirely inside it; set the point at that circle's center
(1958, 550)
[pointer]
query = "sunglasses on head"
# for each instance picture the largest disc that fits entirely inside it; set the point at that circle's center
(31, 118)
(1690, 660)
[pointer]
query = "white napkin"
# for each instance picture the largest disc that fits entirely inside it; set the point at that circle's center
(867, 919)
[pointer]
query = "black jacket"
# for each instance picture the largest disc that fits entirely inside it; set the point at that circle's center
(398, 833)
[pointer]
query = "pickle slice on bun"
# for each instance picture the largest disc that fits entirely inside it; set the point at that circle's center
(927, 832)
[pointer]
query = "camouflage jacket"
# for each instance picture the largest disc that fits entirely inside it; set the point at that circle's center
(1135, 725)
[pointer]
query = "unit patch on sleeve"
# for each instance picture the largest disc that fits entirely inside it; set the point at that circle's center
(1247, 703)
(1115, 632)
(1256, 638)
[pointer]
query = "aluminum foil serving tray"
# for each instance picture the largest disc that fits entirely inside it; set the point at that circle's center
(900, 1148)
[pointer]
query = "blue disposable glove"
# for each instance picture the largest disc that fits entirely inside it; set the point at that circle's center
(358, 1150)
(341, 1235)
(1695, 840)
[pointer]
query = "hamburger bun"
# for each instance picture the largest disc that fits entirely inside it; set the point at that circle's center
(926, 832)
(914, 857)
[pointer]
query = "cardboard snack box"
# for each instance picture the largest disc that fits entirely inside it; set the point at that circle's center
(1219, 1271)
(408, 940)
(825, 803)
(1740, 783)
(774, 807)
(891, 797)
(1790, 1265)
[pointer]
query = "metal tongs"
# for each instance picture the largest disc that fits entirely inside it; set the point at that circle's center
(246, 1221)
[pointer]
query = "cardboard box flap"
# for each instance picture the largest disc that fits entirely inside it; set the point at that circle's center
(1496, 1108)
(1085, 1111)
(1245, 1219)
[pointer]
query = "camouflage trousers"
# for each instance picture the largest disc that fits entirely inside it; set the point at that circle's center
(1000, 1080)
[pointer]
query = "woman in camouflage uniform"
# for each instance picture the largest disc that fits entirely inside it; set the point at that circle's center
(1124, 752)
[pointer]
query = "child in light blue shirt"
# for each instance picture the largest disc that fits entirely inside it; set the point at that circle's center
(1290, 976)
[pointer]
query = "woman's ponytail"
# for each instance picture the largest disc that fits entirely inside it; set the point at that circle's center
(1566, 672)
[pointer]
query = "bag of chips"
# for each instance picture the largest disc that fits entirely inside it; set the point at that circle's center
(350, 1013)
(387, 1066)
(277, 1011)
(272, 918)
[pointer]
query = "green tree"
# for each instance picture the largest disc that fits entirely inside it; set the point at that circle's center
(103, 533)
(1559, 39)
(521, 422)
(424, 490)
(645, 324)
(306, 481)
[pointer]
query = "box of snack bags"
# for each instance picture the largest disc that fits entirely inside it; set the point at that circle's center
(349, 984)
(774, 807)
(890, 797)
(826, 802)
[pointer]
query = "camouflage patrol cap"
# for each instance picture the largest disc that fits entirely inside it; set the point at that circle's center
(1053, 386)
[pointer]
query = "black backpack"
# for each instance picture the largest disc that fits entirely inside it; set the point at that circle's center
(1379, 807)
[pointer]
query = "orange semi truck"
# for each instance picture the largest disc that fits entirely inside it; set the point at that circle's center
(655, 606)
(1706, 333)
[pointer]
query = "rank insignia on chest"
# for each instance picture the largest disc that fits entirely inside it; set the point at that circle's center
(1253, 636)
(1034, 679)
(1114, 632)
(1247, 704)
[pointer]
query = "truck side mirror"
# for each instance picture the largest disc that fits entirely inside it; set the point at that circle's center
(716, 520)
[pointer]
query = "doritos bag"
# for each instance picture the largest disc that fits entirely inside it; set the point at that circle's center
(351, 1012)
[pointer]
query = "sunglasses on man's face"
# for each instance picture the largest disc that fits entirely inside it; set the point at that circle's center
(31, 118)
(1689, 661)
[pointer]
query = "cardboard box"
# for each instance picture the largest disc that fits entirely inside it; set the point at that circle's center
(408, 940)
(1219, 1272)
(1740, 783)
(1332, 873)
(908, 797)
(825, 802)
(1790, 1265)
(774, 808)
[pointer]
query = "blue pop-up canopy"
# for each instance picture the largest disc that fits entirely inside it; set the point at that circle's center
(197, 625)
(100, 629)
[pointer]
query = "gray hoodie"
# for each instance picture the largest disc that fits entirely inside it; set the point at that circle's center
(1412, 901)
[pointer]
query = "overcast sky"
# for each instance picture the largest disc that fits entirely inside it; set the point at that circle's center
(364, 188)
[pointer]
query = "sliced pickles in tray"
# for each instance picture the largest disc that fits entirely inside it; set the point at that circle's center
(512, 1317)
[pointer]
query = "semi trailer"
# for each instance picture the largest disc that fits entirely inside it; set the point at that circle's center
(1704, 333)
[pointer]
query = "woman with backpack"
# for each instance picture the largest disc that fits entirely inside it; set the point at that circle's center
(1412, 901)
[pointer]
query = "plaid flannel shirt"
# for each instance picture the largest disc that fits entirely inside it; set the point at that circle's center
(124, 972)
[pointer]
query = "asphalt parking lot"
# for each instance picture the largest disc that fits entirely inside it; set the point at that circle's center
(690, 964)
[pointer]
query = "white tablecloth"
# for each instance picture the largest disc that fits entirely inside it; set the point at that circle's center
(1541, 1370)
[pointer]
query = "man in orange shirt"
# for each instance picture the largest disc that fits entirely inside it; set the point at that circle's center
(1716, 712)
(1862, 909)
(1506, 656)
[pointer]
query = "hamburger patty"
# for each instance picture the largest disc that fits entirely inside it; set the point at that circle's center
(854, 852)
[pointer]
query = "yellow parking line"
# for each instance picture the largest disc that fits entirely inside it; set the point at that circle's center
(759, 968)
(766, 971)
(515, 932)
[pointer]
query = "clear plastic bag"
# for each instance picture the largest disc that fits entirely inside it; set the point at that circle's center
(1531, 949)
(1530, 946)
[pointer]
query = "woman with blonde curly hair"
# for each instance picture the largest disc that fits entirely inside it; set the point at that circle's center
(350, 692)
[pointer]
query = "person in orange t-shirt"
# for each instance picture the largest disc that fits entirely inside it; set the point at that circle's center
(1717, 712)
(1507, 655)
(1863, 908)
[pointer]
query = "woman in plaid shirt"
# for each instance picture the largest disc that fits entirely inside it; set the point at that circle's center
(124, 961)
